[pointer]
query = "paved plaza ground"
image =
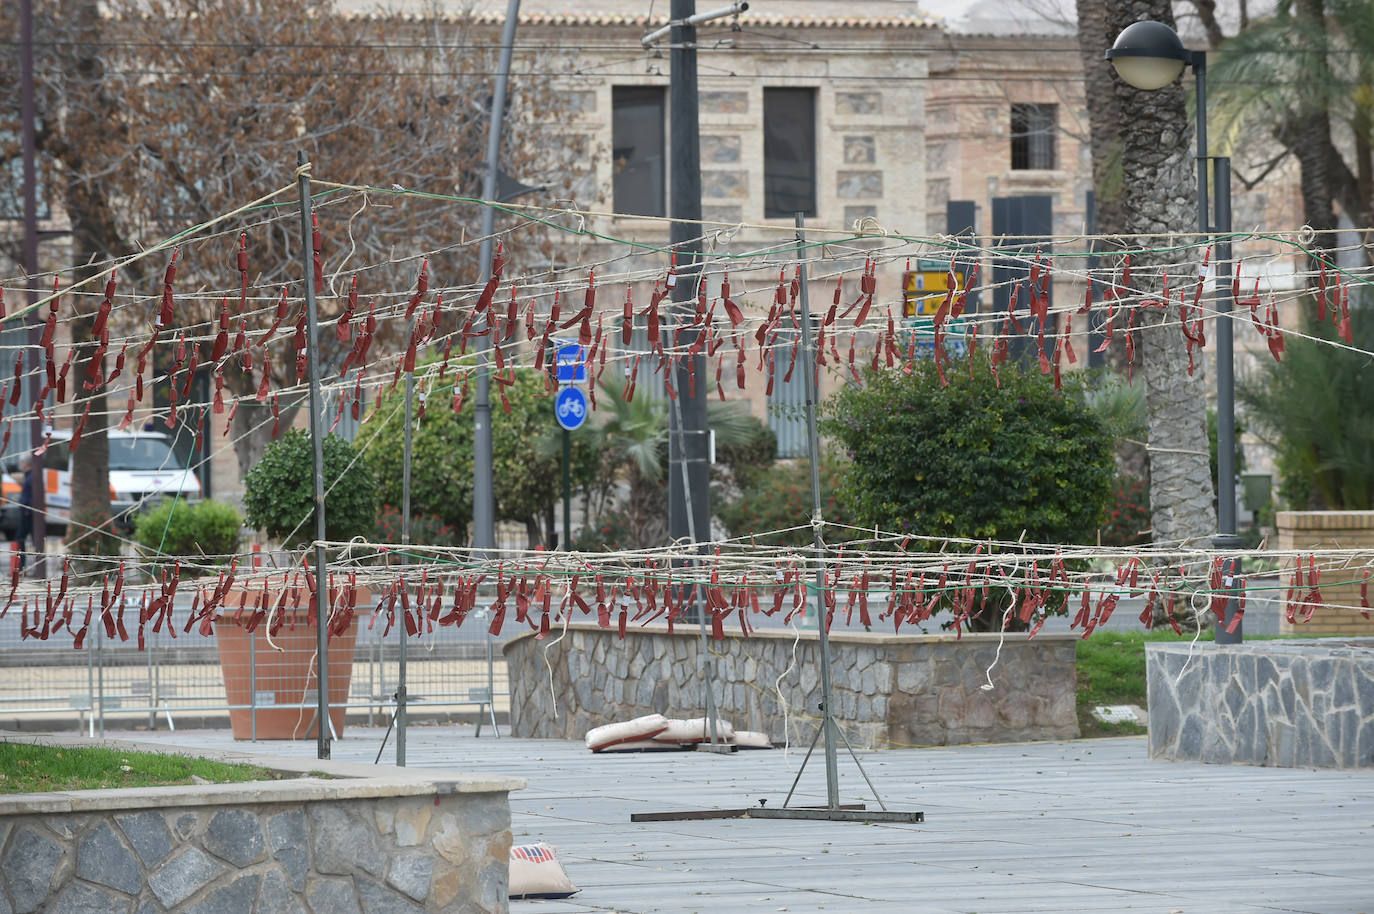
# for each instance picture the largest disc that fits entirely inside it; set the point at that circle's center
(1084, 826)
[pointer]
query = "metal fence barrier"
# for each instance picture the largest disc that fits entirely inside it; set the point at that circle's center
(447, 672)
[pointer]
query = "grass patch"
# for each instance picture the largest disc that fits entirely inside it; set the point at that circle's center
(1111, 671)
(29, 768)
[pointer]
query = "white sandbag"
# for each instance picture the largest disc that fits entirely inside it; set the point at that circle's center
(645, 727)
(536, 873)
(695, 730)
(752, 739)
(645, 745)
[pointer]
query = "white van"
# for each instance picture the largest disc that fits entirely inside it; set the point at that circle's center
(143, 468)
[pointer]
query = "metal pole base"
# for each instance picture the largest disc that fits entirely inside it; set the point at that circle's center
(717, 748)
(1225, 542)
(843, 814)
(847, 812)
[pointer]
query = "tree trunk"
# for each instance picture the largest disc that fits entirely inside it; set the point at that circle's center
(94, 237)
(1310, 142)
(1106, 115)
(1158, 195)
(1148, 134)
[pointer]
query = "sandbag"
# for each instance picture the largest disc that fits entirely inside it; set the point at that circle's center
(752, 739)
(646, 745)
(695, 730)
(645, 727)
(536, 873)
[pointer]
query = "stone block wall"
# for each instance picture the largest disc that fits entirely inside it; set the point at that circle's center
(1302, 530)
(889, 690)
(1281, 703)
(306, 846)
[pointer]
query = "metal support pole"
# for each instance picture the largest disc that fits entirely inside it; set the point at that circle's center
(567, 489)
(253, 678)
(100, 673)
(322, 721)
(90, 680)
(833, 811)
(483, 497)
(491, 689)
(689, 514)
(1226, 538)
(813, 448)
(152, 692)
(407, 450)
(706, 662)
(39, 487)
(687, 423)
(1198, 60)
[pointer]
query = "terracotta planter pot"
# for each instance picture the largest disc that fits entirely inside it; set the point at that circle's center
(284, 681)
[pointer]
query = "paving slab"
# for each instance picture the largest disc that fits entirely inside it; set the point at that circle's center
(1086, 825)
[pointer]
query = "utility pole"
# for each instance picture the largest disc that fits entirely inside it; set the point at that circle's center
(36, 434)
(687, 431)
(483, 495)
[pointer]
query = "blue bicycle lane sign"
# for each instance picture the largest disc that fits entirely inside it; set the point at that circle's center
(570, 408)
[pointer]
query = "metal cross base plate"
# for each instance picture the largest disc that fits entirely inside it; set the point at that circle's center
(847, 812)
(843, 814)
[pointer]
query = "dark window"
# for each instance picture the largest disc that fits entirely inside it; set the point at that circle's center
(12, 180)
(142, 454)
(1032, 136)
(789, 152)
(637, 149)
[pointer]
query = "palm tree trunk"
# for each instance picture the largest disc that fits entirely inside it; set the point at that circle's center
(1157, 197)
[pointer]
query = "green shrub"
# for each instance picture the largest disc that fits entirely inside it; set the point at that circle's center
(526, 476)
(779, 498)
(1128, 516)
(611, 532)
(745, 455)
(279, 492)
(425, 529)
(972, 460)
(1315, 410)
(203, 530)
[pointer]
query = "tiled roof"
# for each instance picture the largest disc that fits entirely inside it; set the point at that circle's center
(820, 14)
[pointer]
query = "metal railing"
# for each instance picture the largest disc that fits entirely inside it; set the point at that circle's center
(449, 671)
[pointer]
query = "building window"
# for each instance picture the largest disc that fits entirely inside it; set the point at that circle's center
(1032, 136)
(638, 147)
(789, 152)
(12, 180)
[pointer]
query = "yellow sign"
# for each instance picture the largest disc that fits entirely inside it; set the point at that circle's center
(924, 290)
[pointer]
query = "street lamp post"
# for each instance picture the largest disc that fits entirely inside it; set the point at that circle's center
(1149, 55)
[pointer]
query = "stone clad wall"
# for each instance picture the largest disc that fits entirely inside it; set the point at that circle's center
(1281, 703)
(394, 855)
(888, 690)
(401, 844)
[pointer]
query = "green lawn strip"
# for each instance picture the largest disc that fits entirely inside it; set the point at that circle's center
(30, 768)
(1111, 671)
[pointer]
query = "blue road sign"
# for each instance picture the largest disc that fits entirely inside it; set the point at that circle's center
(571, 364)
(570, 408)
(921, 331)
